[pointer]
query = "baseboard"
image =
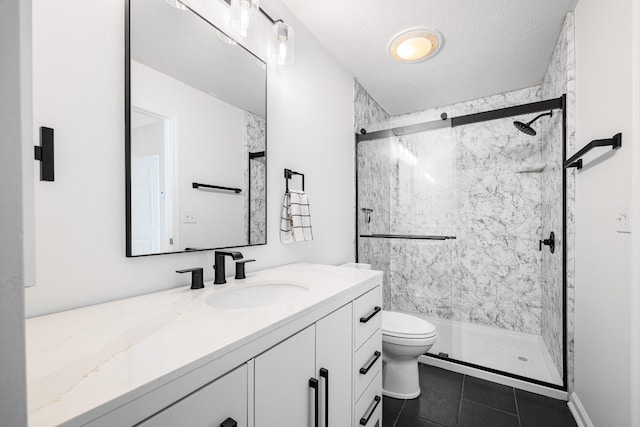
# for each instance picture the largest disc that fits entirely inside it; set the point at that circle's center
(578, 411)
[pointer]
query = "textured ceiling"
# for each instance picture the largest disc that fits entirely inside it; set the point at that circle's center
(490, 46)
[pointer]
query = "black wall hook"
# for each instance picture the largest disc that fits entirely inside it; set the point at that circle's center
(44, 153)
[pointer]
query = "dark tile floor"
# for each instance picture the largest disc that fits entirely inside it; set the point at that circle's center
(450, 399)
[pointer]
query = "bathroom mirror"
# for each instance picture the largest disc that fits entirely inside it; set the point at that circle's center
(195, 134)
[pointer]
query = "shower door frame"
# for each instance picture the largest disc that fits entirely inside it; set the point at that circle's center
(501, 113)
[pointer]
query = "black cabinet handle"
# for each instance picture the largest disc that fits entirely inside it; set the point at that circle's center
(370, 363)
(368, 317)
(370, 410)
(229, 422)
(313, 383)
(324, 373)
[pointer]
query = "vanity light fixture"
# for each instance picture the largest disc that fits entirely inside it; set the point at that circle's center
(177, 4)
(282, 47)
(415, 45)
(243, 15)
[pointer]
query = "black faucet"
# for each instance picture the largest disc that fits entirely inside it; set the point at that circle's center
(240, 274)
(219, 265)
(196, 276)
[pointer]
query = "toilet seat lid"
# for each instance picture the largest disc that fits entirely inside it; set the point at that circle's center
(406, 326)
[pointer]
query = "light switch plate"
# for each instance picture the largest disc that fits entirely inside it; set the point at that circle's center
(623, 221)
(188, 217)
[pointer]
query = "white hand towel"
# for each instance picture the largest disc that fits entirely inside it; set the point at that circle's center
(295, 223)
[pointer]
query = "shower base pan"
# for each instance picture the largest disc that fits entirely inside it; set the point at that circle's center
(476, 346)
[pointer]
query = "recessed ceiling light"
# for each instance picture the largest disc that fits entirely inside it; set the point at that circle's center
(415, 45)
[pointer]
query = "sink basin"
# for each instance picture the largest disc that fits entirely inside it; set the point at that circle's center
(256, 295)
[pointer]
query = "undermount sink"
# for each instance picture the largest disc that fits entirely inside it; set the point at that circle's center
(256, 295)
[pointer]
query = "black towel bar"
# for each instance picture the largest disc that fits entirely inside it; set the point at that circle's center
(575, 161)
(197, 185)
(408, 236)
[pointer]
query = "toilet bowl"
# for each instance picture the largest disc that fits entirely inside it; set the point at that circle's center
(404, 339)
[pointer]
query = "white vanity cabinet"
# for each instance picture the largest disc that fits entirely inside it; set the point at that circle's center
(367, 359)
(282, 393)
(334, 339)
(296, 379)
(222, 402)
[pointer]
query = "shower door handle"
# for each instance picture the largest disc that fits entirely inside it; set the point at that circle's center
(551, 242)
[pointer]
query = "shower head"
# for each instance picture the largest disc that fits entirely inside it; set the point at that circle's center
(526, 127)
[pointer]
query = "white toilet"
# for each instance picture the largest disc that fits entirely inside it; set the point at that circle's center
(404, 339)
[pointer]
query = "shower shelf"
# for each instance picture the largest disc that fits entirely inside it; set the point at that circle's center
(407, 236)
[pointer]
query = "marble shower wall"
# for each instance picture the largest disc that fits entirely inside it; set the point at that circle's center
(559, 79)
(374, 166)
(497, 220)
(473, 182)
(492, 200)
(255, 213)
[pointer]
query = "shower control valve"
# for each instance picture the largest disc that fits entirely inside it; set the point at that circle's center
(551, 242)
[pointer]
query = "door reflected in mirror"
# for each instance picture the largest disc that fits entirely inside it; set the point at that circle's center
(195, 115)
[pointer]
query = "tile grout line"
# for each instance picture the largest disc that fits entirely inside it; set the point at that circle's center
(464, 379)
(515, 398)
(399, 412)
(493, 408)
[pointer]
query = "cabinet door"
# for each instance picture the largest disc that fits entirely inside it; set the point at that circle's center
(282, 393)
(209, 406)
(334, 356)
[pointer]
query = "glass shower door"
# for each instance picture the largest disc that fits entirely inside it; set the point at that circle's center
(507, 197)
(405, 222)
(456, 218)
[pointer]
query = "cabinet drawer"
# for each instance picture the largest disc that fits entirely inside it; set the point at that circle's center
(367, 362)
(369, 408)
(211, 405)
(366, 316)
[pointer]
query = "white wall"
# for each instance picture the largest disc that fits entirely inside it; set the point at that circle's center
(14, 111)
(80, 221)
(603, 256)
(209, 150)
(635, 212)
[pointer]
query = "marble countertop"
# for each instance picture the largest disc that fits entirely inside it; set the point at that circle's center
(84, 363)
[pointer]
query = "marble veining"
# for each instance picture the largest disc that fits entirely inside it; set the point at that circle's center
(367, 113)
(255, 204)
(87, 362)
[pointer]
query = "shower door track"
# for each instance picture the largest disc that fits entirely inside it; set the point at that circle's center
(501, 113)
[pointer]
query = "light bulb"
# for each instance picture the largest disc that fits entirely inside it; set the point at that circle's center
(282, 45)
(242, 16)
